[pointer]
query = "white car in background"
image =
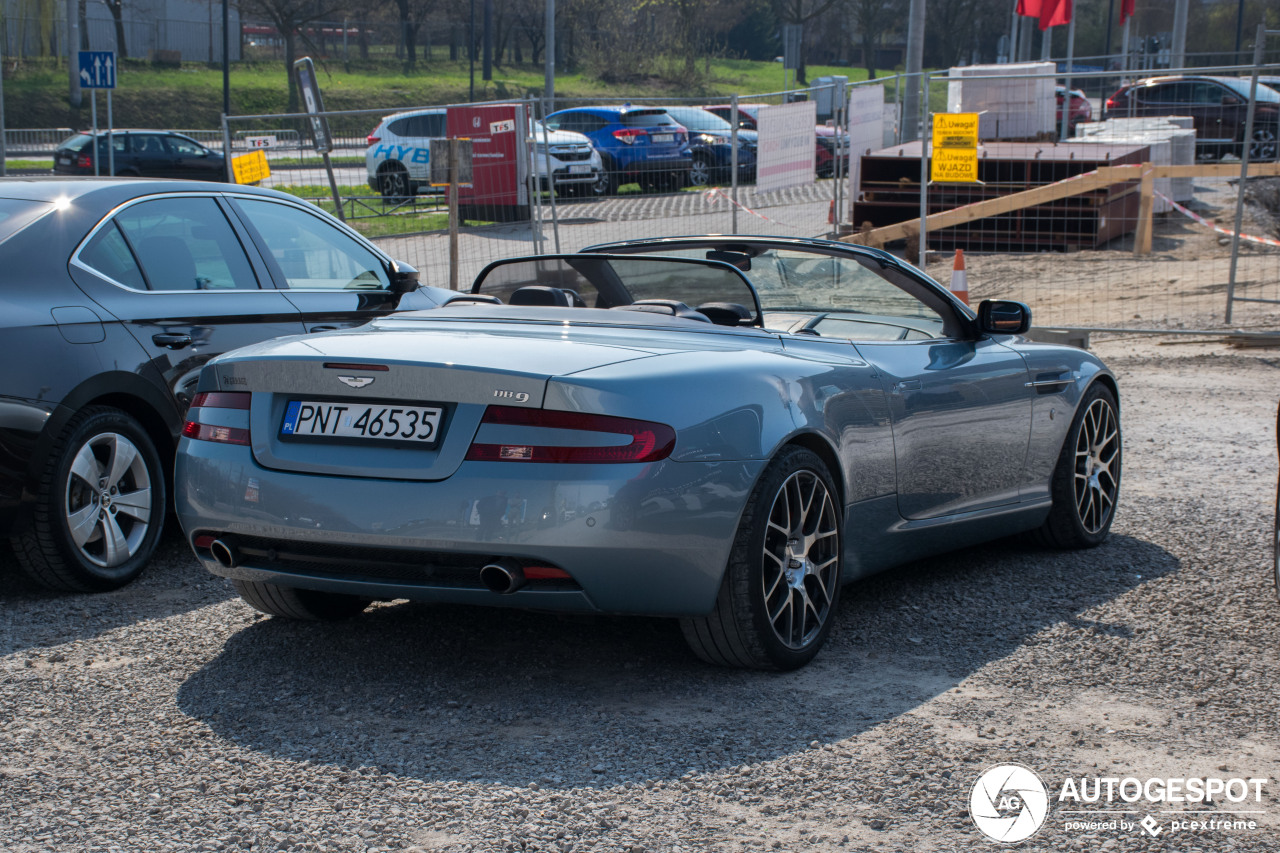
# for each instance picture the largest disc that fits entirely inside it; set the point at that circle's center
(398, 158)
(575, 164)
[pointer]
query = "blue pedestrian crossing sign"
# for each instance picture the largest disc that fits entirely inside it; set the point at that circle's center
(97, 69)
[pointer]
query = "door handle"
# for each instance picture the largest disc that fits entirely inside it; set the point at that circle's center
(171, 341)
(323, 329)
(907, 385)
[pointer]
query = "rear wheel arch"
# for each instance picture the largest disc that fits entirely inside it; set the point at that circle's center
(827, 453)
(127, 392)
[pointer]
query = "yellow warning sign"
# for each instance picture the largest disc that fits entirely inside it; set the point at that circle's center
(955, 130)
(955, 148)
(954, 165)
(250, 168)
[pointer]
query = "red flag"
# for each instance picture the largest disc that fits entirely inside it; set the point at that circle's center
(1030, 8)
(1054, 13)
(1126, 11)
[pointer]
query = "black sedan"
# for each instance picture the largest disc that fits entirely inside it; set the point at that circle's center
(117, 292)
(139, 153)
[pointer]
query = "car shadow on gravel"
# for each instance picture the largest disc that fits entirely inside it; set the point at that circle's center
(454, 693)
(33, 616)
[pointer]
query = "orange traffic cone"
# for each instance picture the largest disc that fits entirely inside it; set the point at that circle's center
(959, 285)
(831, 213)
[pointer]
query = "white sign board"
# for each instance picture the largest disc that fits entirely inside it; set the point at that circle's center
(785, 152)
(261, 141)
(866, 131)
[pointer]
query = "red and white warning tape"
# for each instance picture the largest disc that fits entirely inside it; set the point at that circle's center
(715, 194)
(1266, 241)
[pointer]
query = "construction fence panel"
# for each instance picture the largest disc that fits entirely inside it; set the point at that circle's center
(1095, 229)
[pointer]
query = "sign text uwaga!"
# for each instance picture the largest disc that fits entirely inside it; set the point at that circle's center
(955, 148)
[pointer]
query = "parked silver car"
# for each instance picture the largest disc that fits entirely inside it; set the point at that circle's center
(723, 430)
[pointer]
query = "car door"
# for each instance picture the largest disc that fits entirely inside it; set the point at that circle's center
(151, 157)
(335, 280)
(175, 272)
(959, 403)
(1219, 112)
(191, 160)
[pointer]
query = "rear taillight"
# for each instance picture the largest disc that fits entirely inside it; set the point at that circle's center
(213, 432)
(629, 135)
(85, 161)
(648, 442)
(371, 139)
(1111, 103)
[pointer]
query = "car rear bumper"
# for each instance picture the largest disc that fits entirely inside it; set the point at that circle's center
(644, 539)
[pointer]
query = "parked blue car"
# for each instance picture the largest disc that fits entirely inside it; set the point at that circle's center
(644, 145)
(711, 144)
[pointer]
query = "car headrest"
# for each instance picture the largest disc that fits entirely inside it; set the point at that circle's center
(539, 294)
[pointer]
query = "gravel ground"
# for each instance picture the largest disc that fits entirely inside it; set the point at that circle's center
(170, 716)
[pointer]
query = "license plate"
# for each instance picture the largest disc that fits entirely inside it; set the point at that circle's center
(362, 421)
(64, 159)
(579, 169)
(664, 137)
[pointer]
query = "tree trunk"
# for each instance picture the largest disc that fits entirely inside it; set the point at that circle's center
(117, 17)
(869, 58)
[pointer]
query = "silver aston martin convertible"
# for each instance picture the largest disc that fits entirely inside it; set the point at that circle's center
(722, 430)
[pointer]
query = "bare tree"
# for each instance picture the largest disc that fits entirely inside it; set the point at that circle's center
(801, 12)
(873, 20)
(116, 8)
(412, 14)
(290, 18)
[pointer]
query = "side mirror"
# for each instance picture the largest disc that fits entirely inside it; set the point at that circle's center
(404, 278)
(1230, 101)
(1003, 317)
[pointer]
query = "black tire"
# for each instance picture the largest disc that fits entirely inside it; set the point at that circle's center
(1265, 146)
(701, 172)
(99, 508)
(1086, 480)
(605, 185)
(1275, 546)
(304, 604)
(393, 182)
(794, 506)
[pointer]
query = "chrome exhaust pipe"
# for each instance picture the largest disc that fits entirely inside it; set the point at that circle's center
(226, 553)
(502, 576)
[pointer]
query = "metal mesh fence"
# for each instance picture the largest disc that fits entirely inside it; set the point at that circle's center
(1068, 225)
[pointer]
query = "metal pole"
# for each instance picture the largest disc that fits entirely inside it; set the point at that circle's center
(487, 55)
(226, 58)
(1239, 29)
(837, 172)
(1013, 34)
(453, 212)
(226, 150)
(733, 160)
(914, 64)
(1111, 7)
(1124, 46)
(550, 61)
(111, 149)
(1066, 98)
(93, 110)
(73, 53)
(4, 148)
(1178, 53)
(1258, 48)
(924, 166)
(471, 55)
(546, 153)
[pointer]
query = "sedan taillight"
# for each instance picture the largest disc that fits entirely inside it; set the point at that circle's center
(85, 161)
(648, 442)
(212, 432)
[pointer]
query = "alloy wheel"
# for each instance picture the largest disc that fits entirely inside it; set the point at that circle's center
(108, 500)
(1264, 146)
(1097, 451)
(800, 559)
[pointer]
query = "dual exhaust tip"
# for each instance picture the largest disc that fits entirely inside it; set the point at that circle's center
(501, 576)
